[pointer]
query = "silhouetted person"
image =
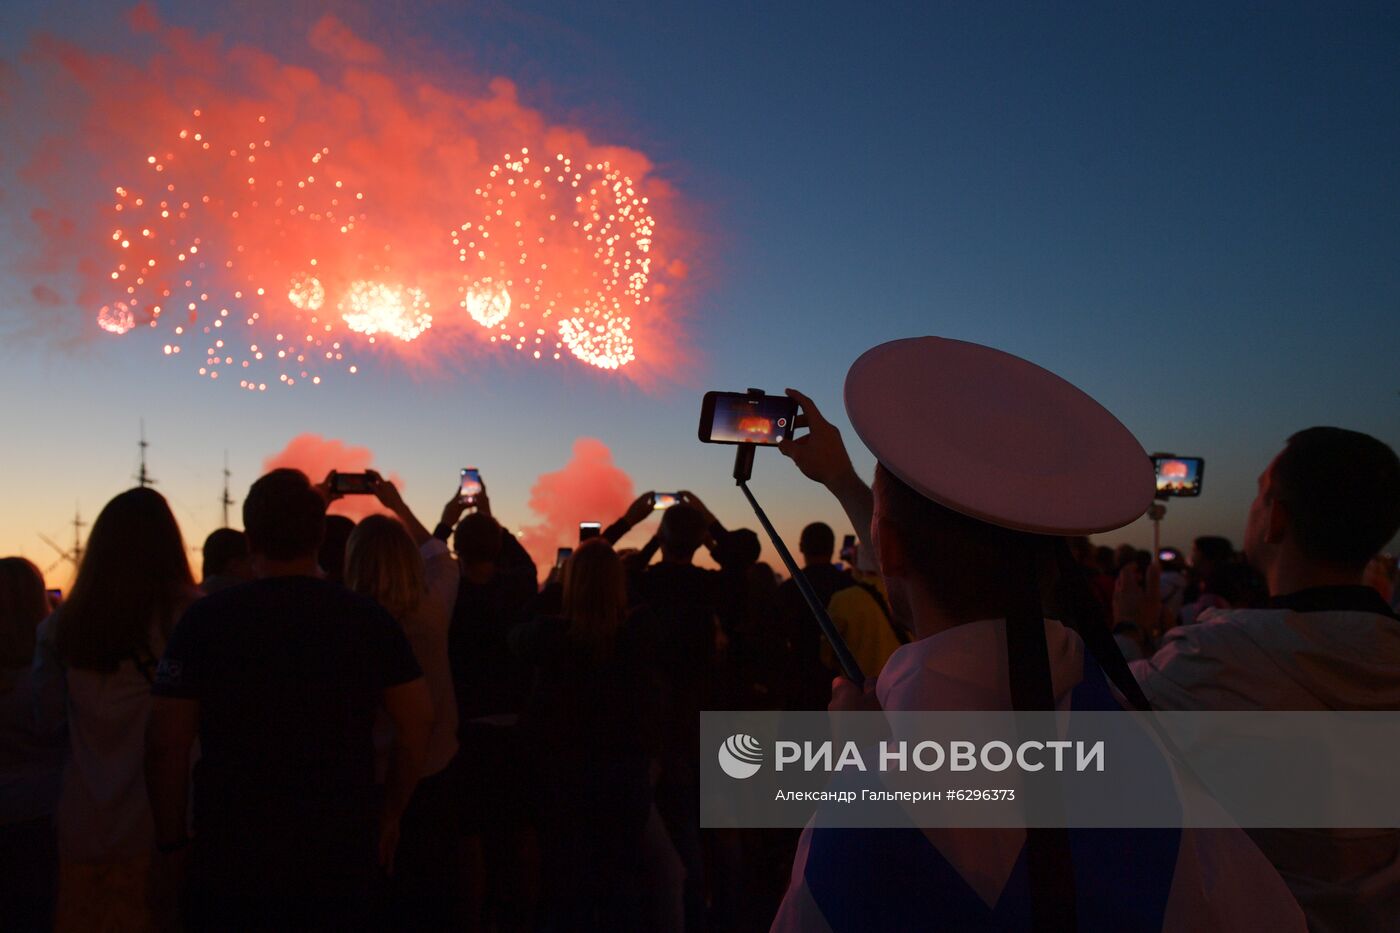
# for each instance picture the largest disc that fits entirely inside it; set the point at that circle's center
(279, 680)
(227, 561)
(31, 761)
(684, 601)
(498, 584)
(810, 678)
(331, 557)
(1325, 505)
(96, 661)
(400, 565)
(589, 724)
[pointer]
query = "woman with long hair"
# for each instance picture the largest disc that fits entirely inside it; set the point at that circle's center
(30, 762)
(95, 661)
(400, 565)
(24, 603)
(589, 722)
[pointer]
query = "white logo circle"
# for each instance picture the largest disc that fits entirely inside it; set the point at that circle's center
(740, 756)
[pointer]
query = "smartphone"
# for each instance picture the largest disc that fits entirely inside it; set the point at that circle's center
(848, 549)
(1178, 476)
(471, 485)
(739, 418)
(588, 530)
(1168, 554)
(561, 555)
(55, 597)
(664, 500)
(352, 484)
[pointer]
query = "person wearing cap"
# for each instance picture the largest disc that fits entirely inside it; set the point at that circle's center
(985, 462)
(1325, 505)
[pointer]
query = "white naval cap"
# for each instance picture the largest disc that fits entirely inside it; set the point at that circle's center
(996, 437)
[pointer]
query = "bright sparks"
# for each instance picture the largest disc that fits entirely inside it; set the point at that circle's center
(373, 308)
(116, 318)
(306, 293)
(488, 304)
(598, 212)
(516, 288)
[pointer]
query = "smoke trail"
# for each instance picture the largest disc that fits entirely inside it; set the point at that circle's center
(590, 487)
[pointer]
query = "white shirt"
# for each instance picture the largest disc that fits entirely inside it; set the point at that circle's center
(1221, 881)
(426, 628)
(1277, 659)
(103, 813)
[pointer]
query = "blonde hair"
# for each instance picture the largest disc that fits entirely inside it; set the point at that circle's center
(382, 562)
(595, 594)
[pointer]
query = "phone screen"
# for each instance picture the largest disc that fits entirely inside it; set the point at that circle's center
(55, 597)
(588, 530)
(353, 484)
(561, 555)
(1179, 476)
(1167, 554)
(664, 500)
(738, 418)
(471, 484)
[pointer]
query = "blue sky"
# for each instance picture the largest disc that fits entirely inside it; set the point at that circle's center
(1192, 213)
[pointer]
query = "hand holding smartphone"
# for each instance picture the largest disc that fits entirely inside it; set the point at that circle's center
(470, 485)
(660, 501)
(1178, 476)
(740, 418)
(354, 484)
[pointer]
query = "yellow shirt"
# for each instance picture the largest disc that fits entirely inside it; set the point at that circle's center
(863, 625)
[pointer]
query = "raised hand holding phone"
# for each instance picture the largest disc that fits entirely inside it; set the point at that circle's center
(746, 418)
(639, 511)
(387, 493)
(470, 486)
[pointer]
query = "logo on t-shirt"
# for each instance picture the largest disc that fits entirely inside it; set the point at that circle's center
(168, 671)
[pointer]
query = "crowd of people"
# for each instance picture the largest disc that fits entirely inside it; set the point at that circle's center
(386, 726)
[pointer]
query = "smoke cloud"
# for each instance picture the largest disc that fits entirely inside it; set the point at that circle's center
(589, 488)
(316, 456)
(276, 221)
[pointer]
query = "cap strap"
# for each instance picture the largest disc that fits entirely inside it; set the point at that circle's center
(1049, 865)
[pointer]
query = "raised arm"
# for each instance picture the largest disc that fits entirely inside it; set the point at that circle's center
(388, 495)
(636, 513)
(821, 456)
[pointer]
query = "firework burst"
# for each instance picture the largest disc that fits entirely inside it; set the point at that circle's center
(275, 230)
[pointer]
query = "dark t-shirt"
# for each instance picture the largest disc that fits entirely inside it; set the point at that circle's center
(488, 679)
(810, 685)
(676, 635)
(288, 673)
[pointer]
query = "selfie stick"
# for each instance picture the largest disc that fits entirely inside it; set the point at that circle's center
(743, 470)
